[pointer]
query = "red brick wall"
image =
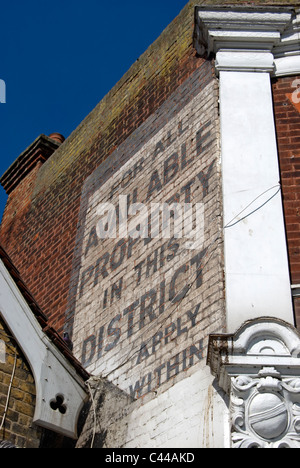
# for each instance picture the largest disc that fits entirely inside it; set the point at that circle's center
(297, 309)
(287, 115)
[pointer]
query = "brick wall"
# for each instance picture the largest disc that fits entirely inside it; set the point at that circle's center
(141, 302)
(42, 238)
(18, 204)
(52, 242)
(188, 415)
(41, 249)
(287, 116)
(18, 427)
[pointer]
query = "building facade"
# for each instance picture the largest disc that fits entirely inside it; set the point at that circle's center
(163, 237)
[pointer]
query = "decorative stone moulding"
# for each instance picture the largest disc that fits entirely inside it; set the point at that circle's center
(249, 38)
(258, 367)
(287, 52)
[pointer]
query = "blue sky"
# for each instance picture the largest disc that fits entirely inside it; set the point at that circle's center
(60, 57)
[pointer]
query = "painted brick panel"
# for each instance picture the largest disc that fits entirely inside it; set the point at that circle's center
(141, 309)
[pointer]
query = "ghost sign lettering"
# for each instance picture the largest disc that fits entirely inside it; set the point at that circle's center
(142, 252)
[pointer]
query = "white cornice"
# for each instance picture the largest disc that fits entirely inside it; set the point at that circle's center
(244, 60)
(249, 38)
(287, 52)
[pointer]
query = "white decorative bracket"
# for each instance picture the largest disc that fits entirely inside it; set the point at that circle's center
(60, 391)
(258, 367)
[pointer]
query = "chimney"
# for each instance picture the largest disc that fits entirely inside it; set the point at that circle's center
(38, 152)
(57, 137)
(19, 183)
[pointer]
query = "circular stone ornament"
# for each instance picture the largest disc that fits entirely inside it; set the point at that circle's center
(268, 416)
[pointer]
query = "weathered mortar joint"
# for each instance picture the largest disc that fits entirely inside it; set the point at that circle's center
(258, 367)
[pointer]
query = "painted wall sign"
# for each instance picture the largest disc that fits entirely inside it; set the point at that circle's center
(142, 251)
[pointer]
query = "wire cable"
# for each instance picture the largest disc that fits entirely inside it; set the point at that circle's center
(8, 393)
(206, 258)
(94, 413)
(231, 224)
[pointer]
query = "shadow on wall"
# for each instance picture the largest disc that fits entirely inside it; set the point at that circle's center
(103, 420)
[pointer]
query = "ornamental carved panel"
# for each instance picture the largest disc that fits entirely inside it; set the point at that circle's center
(265, 411)
(258, 367)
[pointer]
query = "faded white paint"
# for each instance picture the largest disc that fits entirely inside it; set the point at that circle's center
(112, 340)
(191, 414)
